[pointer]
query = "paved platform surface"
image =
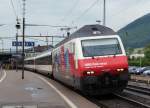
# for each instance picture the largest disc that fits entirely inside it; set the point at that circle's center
(36, 91)
(141, 78)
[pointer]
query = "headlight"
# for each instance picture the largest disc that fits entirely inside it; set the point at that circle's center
(92, 72)
(89, 72)
(120, 70)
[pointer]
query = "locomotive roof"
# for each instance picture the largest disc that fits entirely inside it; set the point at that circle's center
(88, 31)
(93, 30)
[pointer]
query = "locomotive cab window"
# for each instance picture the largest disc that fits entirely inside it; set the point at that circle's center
(100, 47)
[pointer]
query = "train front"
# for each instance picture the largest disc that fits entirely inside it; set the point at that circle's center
(102, 64)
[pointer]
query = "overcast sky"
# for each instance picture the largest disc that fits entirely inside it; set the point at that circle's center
(67, 12)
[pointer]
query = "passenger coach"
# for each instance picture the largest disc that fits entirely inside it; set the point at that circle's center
(41, 63)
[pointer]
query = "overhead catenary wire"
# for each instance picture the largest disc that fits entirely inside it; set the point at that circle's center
(13, 8)
(87, 10)
(71, 10)
(44, 25)
(20, 5)
(125, 9)
(7, 37)
(36, 39)
(5, 27)
(41, 40)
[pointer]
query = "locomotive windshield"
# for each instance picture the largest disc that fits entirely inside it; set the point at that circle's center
(101, 47)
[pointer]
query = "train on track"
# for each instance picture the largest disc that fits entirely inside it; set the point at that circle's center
(92, 60)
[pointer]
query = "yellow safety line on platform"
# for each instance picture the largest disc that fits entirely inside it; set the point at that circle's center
(68, 101)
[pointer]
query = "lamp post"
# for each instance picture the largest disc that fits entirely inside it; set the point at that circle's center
(17, 27)
(104, 16)
(23, 38)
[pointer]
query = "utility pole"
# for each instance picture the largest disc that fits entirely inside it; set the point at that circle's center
(23, 38)
(17, 28)
(104, 16)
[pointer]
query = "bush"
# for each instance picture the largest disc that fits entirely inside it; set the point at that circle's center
(136, 62)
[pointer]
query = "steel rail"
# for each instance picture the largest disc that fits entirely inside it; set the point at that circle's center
(145, 91)
(143, 105)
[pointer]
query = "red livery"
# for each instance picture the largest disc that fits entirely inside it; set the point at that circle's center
(92, 60)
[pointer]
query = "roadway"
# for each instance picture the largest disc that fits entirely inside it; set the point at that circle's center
(37, 91)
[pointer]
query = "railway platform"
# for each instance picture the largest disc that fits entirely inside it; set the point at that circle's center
(37, 91)
(140, 81)
(141, 78)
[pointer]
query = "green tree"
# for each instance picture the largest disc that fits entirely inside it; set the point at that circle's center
(147, 52)
(130, 51)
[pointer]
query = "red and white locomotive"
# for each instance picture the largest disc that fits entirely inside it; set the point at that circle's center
(92, 60)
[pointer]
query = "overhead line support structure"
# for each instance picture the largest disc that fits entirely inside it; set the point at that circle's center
(54, 36)
(17, 28)
(23, 38)
(104, 16)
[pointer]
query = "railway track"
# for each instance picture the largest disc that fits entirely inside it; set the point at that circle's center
(132, 101)
(119, 101)
(138, 89)
(126, 99)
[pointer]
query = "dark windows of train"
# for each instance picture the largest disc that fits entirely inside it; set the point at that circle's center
(44, 60)
(100, 47)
